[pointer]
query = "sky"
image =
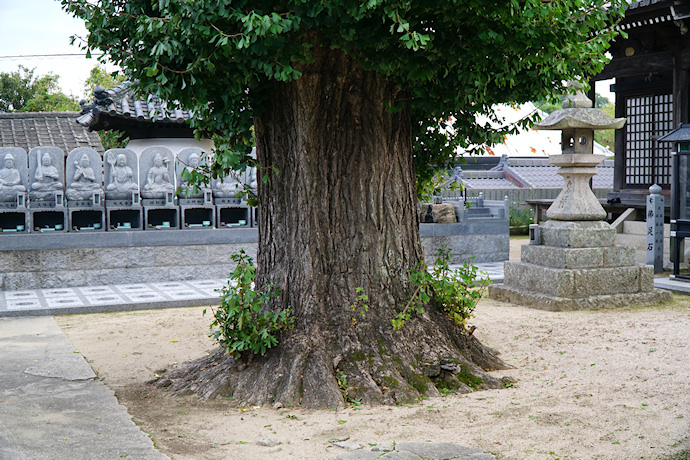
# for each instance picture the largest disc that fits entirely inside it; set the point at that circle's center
(42, 27)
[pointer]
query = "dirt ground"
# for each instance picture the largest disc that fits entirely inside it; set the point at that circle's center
(590, 385)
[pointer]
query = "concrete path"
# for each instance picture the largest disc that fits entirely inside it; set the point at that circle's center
(147, 296)
(127, 297)
(51, 405)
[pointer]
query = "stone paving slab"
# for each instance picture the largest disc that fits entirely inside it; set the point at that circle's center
(51, 405)
(99, 299)
(420, 451)
(147, 296)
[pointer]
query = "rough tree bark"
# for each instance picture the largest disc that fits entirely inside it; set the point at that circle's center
(341, 214)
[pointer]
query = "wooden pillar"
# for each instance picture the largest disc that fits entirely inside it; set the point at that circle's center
(680, 90)
(619, 145)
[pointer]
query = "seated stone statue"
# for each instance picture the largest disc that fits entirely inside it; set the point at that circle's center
(251, 179)
(84, 181)
(47, 179)
(121, 183)
(228, 187)
(187, 189)
(10, 180)
(158, 178)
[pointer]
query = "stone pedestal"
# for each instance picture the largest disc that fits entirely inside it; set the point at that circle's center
(577, 267)
(231, 213)
(87, 215)
(126, 215)
(48, 215)
(160, 214)
(197, 213)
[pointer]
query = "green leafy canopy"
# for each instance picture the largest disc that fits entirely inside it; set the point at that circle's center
(22, 91)
(453, 59)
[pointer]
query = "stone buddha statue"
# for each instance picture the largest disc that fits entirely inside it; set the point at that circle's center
(84, 181)
(188, 190)
(121, 183)
(158, 179)
(46, 179)
(10, 180)
(228, 187)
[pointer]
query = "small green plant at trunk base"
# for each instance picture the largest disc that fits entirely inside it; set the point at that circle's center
(239, 324)
(359, 305)
(455, 291)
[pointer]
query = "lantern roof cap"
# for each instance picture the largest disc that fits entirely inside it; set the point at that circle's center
(577, 112)
(680, 134)
(580, 118)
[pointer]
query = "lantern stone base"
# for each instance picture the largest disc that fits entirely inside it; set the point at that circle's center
(552, 303)
(577, 267)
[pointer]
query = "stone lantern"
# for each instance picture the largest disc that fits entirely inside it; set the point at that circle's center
(577, 163)
(572, 261)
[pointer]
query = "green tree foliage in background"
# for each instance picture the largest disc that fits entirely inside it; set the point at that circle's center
(606, 136)
(22, 91)
(353, 106)
(99, 76)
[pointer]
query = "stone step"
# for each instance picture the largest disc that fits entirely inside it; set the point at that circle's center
(556, 257)
(478, 212)
(585, 234)
(545, 302)
(579, 283)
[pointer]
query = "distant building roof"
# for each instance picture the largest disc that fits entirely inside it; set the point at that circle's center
(32, 129)
(139, 117)
(526, 142)
(488, 183)
(527, 173)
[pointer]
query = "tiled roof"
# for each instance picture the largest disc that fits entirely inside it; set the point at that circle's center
(642, 3)
(32, 129)
(488, 183)
(545, 175)
(648, 12)
(120, 102)
(529, 173)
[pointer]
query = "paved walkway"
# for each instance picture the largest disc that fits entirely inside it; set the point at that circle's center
(147, 296)
(51, 405)
(143, 296)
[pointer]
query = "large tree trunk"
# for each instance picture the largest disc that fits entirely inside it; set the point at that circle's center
(341, 214)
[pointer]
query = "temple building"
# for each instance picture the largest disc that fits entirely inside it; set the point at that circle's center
(651, 90)
(146, 120)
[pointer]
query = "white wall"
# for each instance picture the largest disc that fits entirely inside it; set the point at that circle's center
(174, 144)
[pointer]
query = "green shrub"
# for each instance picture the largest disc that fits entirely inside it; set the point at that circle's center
(239, 324)
(521, 217)
(456, 292)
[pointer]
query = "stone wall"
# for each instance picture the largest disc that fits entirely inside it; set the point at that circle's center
(485, 239)
(32, 262)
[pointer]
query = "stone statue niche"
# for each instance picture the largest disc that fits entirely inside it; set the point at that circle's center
(156, 173)
(189, 158)
(121, 171)
(46, 175)
(230, 186)
(14, 175)
(84, 172)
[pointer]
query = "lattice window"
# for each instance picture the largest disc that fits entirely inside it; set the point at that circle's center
(663, 124)
(646, 161)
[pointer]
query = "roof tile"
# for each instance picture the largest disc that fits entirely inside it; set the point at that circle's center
(59, 129)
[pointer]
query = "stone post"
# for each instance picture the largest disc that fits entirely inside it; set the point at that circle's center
(655, 229)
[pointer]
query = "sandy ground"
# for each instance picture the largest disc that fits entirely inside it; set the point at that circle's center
(590, 385)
